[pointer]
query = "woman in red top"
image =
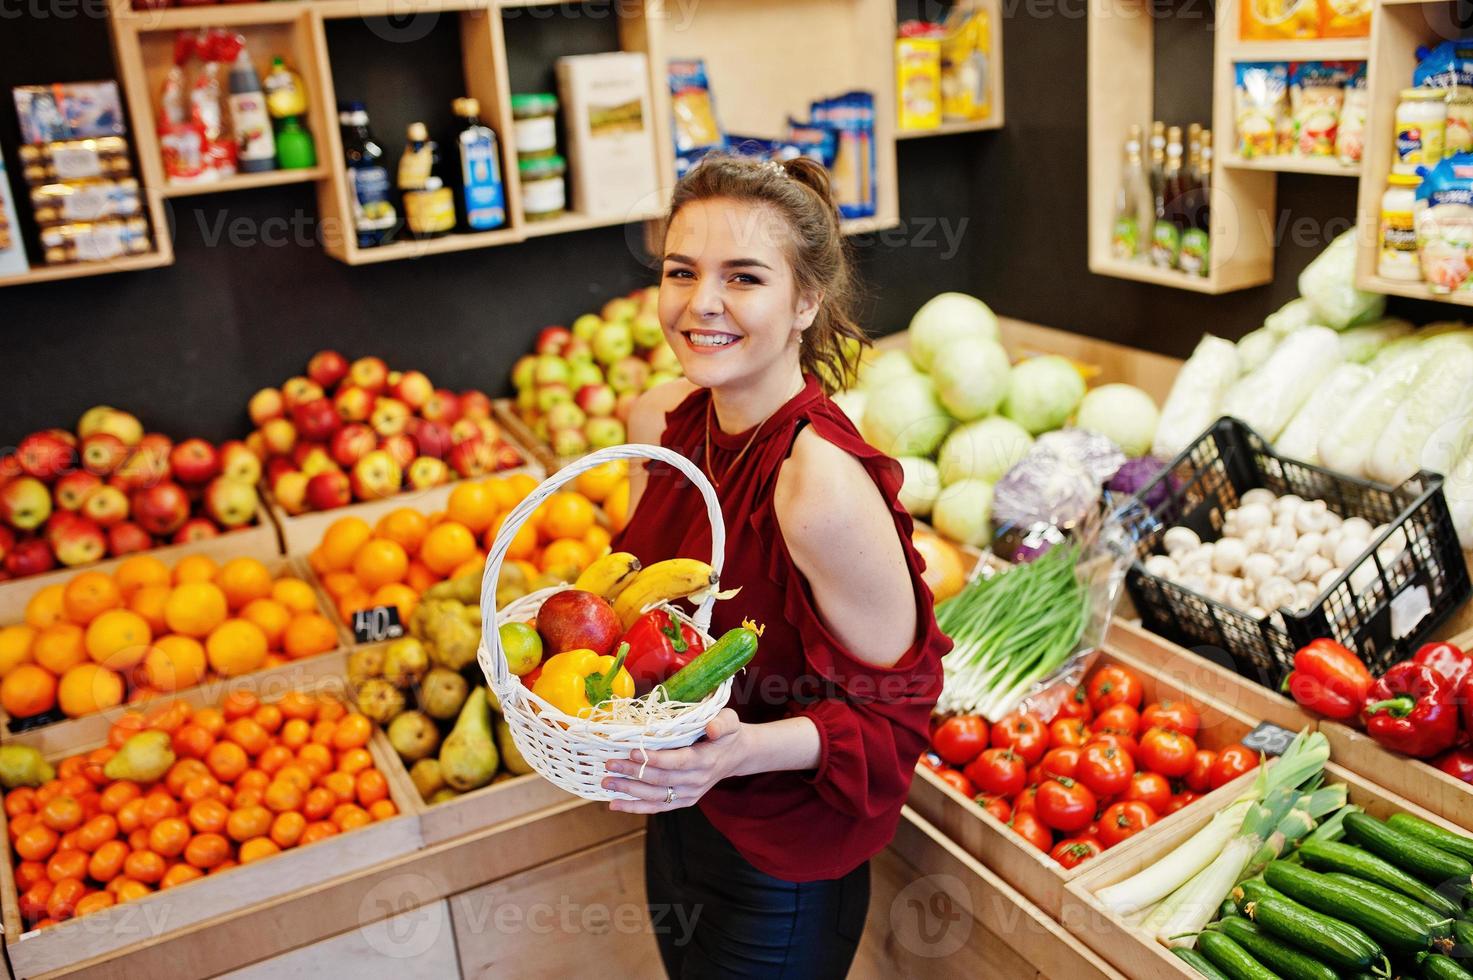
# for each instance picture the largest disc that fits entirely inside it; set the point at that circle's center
(757, 857)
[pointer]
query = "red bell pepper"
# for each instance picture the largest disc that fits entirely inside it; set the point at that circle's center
(1465, 698)
(1329, 679)
(1412, 710)
(1458, 764)
(1446, 659)
(658, 647)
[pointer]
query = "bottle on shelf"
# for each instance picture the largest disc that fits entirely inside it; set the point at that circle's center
(254, 139)
(1133, 206)
(483, 196)
(429, 207)
(1166, 235)
(374, 216)
(1196, 235)
(1157, 176)
(286, 100)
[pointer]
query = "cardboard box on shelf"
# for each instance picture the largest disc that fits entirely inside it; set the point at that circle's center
(610, 132)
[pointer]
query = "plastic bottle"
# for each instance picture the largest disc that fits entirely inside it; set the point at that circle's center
(429, 207)
(483, 197)
(255, 143)
(374, 215)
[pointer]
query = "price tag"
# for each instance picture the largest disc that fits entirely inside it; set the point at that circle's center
(377, 624)
(1269, 739)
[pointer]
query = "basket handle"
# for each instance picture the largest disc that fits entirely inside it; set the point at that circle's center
(519, 514)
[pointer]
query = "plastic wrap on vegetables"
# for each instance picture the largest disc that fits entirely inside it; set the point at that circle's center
(1301, 437)
(1359, 345)
(1268, 397)
(1441, 394)
(1196, 395)
(1346, 445)
(1056, 487)
(1095, 452)
(1329, 284)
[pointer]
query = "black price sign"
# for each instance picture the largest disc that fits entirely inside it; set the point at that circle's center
(1269, 739)
(377, 624)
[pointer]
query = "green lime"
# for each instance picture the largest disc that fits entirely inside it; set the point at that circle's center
(523, 647)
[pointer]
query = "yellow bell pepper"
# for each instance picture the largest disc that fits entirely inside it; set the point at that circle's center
(578, 681)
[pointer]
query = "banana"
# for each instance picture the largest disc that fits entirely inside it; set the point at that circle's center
(609, 575)
(661, 582)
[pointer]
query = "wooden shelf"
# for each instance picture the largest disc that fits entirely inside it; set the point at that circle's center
(78, 270)
(863, 226)
(950, 129)
(1315, 49)
(1328, 166)
(245, 182)
(1412, 290)
(1145, 272)
(582, 222)
(416, 248)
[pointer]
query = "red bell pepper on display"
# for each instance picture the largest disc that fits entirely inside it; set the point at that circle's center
(1329, 680)
(658, 647)
(1412, 709)
(1449, 661)
(1465, 698)
(1458, 764)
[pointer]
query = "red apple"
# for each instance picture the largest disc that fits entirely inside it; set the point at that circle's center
(265, 405)
(25, 503)
(402, 447)
(316, 420)
(596, 400)
(413, 389)
(299, 391)
(353, 404)
(389, 416)
(194, 461)
(30, 557)
(377, 475)
(9, 467)
(238, 462)
(105, 418)
(473, 457)
(577, 620)
(462, 430)
(278, 437)
(71, 490)
(327, 368)
(232, 503)
(301, 450)
(196, 529)
(256, 443)
(431, 438)
(318, 460)
(475, 404)
(78, 541)
(7, 543)
(552, 340)
(290, 491)
(426, 472)
(147, 464)
(70, 438)
(507, 457)
(352, 442)
(328, 490)
(370, 373)
(102, 453)
(126, 538)
(45, 456)
(106, 505)
(161, 509)
(275, 466)
(442, 406)
(625, 405)
(490, 431)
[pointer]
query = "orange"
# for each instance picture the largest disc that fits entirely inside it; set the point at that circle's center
(174, 663)
(597, 539)
(61, 647)
(319, 803)
(282, 796)
(523, 543)
(505, 497)
(472, 504)
(136, 571)
(168, 837)
(178, 874)
(94, 902)
(419, 577)
(275, 758)
(118, 639)
(352, 732)
(566, 557)
(200, 788)
(208, 816)
(15, 646)
(474, 565)
(338, 584)
(521, 485)
(273, 660)
(242, 580)
(400, 595)
(130, 890)
(322, 732)
(258, 848)
(309, 635)
(446, 546)
(211, 719)
(28, 690)
(294, 594)
(205, 851)
(405, 526)
(89, 595)
(596, 484)
(380, 562)
(238, 704)
(47, 607)
(342, 541)
(248, 822)
(383, 810)
(269, 717)
(297, 705)
(249, 735)
(342, 785)
(87, 688)
(317, 561)
(144, 866)
(195, 568)
(227, 761)
(350, 816)
(616, 507)
(180, 775)
(272, 617)
(36, 842)
(70, 863)
(286, 829)
(295, 732)
(372, 787)
(117, 795)
(295, 775)
(235, 647)
(149, 602)
(106, 862)
(62, 813)
(354, 760)
(195, 608)
(317, 831)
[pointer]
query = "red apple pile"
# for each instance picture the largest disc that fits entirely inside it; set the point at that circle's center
(110, 488)
(359, 431)
(576, 391)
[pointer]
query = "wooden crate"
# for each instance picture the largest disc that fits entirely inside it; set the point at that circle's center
(504, 410)
(1134, 951)
(1423, 784)
(1029, 870)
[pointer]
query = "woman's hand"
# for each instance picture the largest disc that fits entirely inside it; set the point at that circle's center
(690, 772)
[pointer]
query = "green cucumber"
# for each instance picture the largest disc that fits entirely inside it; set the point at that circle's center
(1227, 909)
(1422, 860)
(1198, 962)
(1438, 967)
(1429, 833)
(1440, 925)
(1251, 891)
(1331, 941)
(1330, 856)
(1462, 939)
(1396, 931)
(697, 679)
(1231, 958)
(1283, 959)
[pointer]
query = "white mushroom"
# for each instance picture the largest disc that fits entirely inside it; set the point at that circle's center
(1258, 567)
(1278, 620)
(1356, 527)
(1228, 556)
(1348, 551)
(1363, 576)
(1239, 594)
(1162, 566)
(1311, 517)
(1256, 539)
(1275, 592)
(1195, 583)
(1395, 544)
(1217, 586)
(1179, 540)
(1230, 527)
(1198, 561)
(1289, 502)
(1305, 593)
(1328, 579)
(1316, 566)
(1258, 495)
(1333, 520)
(1291, 565)
(1254, 515)
(1256, 612)
(1281, 537)
(1309, 544)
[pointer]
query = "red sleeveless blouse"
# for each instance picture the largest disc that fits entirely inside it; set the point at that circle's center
(872, 722)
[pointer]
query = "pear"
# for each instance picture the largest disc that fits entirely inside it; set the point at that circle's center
(453, 640)
(468, 755)
(379, 700)
(405, 662)
(425, 774)
(144, 758)
(365, 662)
(511, 756)
(465, 588)
(441, 795)
(21, 765)
(442, 693)
(493, 700)
(413, 736)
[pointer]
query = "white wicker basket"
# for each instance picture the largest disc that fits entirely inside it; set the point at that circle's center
(567, 750)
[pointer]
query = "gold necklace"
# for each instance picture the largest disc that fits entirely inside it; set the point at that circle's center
(727, 475)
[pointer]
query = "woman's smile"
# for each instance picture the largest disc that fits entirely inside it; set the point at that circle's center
(707, 341)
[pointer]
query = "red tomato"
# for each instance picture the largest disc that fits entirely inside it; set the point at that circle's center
(960, 739)
(1113, 685)
(1076, 705)
(1022, 732)
(1199, 778)
(1031, 829)
(1074, 851)
(1180, 800)
(1124, 820)
(1105, 768)
(1026, 801)
(1125, 743)
(1065, 804)
(998, 772)
(1169, 753)
(1231, 763)
(1067, 731)
(1120, 718)
(1174, 716)
(1062, 761)
(932, 761)
(995, 805)
(958, 782)
(1150, 788)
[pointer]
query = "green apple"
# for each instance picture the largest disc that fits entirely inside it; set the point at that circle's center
(522, 646)
(585, 374)
(663, 358)
(604, 432)
(550, 370)
(613, 342)
(647, 331)
(523, 374)
(658, 378)
(586, 326)
(620, 308)
(550, 395)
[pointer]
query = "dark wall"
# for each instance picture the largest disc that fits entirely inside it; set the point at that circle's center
(251, 295)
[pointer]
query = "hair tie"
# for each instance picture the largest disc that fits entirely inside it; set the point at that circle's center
(777, 168)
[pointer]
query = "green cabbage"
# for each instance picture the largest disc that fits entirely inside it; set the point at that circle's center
(971, 377)
(920, 486)
(947, 318)
(983, 450)
(1121, 413)
(963, 512)
(904, 417)
(1042, 393)
(881, 367)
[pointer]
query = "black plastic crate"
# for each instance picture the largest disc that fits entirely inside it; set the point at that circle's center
(1207, 480)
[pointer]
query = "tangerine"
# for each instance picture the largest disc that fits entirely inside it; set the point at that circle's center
(286, 829)
(168, 837)
(447, 545)
(398, 595)
(136, 571)
(274, 758)
(199, 788)
(178, 874)
(61, 647)
(206, 850)
(227, 761)
(157, 806)
(295, 732)
(196, 608)
(97, 831)
(211, 719)
(28, 690)
(117, 794)
(258, 848)
(130, 890)
(89, 595)
(383, 810)
(473, 504)
(67, 864)
(173, 663)
(352, 732)
(195, 568)
(295, 594)
(354, 761)
(596, 484)
(15, 646)
(144, 866)
(269, 717)
(319, 803)
(208, 816)
(95, 902)
(380, 562)
(318, 830)
(47, 607)
(247, 822)
(238, 704)
(244, 580)
(235, 647)
(36, 842)
(65, 895)
(249, 735)
(282, 795)
(130, 815)
(371, 786)
(106, 862)
(297, 706)
(118, 639)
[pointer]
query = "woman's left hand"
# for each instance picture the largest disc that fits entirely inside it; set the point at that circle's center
(690, 772)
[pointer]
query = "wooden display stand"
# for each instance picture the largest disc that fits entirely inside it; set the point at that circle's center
(1449, 798)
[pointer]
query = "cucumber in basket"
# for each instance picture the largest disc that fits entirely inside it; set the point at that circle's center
(1390, 925)
(1421, 859)
(697, 679)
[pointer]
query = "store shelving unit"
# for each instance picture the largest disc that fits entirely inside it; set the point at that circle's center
(162, 255)
(1324, 166)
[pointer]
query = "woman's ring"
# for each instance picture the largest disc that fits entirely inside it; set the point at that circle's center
(669, 795)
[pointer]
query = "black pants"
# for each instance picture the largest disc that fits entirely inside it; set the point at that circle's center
(716, 916)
